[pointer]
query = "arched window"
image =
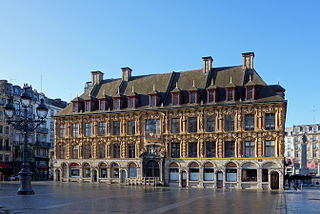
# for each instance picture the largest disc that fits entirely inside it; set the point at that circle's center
(103, 170)
(173, 172)
(74, 170)
(86, 170)
(231, 172)
(249, 172)
(194, 171)
(208, 172)
(114, 170)
(132, 170)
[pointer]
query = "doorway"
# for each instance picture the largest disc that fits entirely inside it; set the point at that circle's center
(219, 180)
(183, 179)
(123, 176)
(94, 175)
(57, 175)
(274, 180)
(151, 169)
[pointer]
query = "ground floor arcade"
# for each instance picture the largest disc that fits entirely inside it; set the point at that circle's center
(203, 173)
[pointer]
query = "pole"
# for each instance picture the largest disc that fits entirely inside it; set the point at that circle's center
(25, 174)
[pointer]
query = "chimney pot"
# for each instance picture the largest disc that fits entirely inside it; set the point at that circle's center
(207, 64)
(97, 77)
(126, 73)
(248, 60)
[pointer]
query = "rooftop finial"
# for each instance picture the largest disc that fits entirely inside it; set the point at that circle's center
(154, 87)
(176, 84)
(212, 81)
(193, 83)
(230, 79)
(132, 89)
(250, 78)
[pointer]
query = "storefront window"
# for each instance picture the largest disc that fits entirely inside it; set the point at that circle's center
(249, 175)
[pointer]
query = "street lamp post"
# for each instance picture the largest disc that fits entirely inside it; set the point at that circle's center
(24, 121)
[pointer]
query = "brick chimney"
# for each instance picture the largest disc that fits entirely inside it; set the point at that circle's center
(207, 64)
(97, 77)
(248, 60)
(126, 73)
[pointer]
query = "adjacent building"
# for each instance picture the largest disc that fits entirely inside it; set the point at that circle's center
(215, 127)
(300, 155)
(40, 142)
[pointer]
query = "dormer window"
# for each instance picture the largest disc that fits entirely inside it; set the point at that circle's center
(116, 103)
(211, 93)
(230, 94)
(175, 99)
(102, 104)
(153, 100)
(131, 102)
(88, 105)
(211, 96)
(249, 93)
(75, 107)
(193, 97)
(250, 89)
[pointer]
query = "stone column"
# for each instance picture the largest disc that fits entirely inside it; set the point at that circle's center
(259, 178)
(200, 177)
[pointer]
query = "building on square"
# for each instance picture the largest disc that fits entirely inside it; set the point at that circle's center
(215, 127)
(12, 141)
(301, 155)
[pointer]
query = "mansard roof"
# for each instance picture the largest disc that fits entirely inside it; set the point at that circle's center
(165, 83)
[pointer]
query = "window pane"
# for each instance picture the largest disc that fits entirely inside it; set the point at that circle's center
(131, 102)
(229, 149)
(210, 124)
(192, 150)
(116, 128)
(88, 129)
(249, 175)
(175, 99)
(175, 125)
(174, 174)
(152, 128)
(116, 151)
(269, 149)
(101, 128)
(229, 94)
(249, 93)
(208, 174)
(131, 127)
(175, 150)
(193, 97)
(249, 122)
(229, 123)
(210, 149)
(75, 130)
(211, 96)
(248, 149)
(132, 151)
(269, 121)
(192, 124)
(231, 175)
(194, 174)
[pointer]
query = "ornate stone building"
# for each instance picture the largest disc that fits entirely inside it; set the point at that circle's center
(211, 127)
(301, 155)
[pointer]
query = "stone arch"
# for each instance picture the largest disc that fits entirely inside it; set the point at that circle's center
(231, 164)
(173, 164)
(270, 164)
(249, 165)
(208, 164)
(132, 164)
(194, 164)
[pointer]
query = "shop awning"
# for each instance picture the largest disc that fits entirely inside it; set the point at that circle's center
(5, 166)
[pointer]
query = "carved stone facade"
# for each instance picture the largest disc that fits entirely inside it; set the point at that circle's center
(224, 152)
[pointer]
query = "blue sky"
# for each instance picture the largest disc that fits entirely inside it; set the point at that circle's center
(62, 41)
